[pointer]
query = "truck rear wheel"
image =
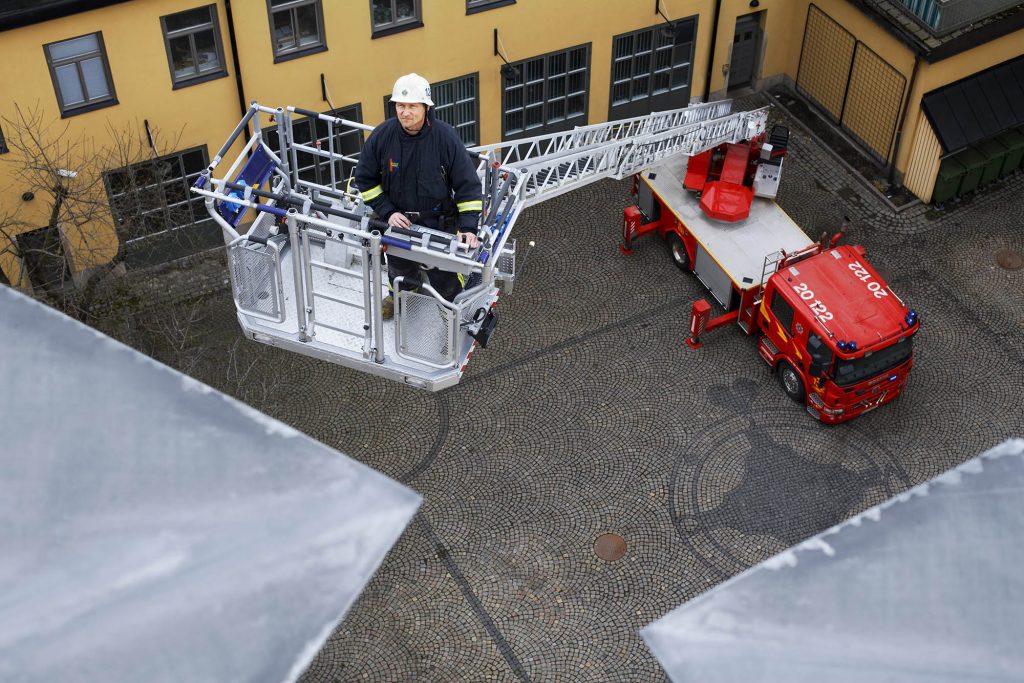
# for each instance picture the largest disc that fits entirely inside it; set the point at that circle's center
(791, 382)
(677, 250)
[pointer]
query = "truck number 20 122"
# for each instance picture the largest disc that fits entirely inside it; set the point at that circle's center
(862, 274)
(815, 305)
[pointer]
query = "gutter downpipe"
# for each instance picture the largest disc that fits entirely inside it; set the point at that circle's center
(711, 52)
(242, 106)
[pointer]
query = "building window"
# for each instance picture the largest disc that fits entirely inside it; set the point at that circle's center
(313, 168)
(651, 69)
(546, 94)
(194, 52)
(456, 102)
(296, 28)
(473, 6)
(81, 74)
(3, 143)
(152, 197)
(392, 16)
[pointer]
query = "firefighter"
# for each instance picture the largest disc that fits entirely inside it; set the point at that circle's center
(416, 164)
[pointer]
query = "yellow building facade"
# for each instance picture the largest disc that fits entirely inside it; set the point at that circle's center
(179, 72)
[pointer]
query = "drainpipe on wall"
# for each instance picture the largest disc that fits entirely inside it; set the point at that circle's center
(903, 121)
(711, 52)
(234, 58)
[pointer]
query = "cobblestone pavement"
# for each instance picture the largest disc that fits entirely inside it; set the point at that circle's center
(588, 415)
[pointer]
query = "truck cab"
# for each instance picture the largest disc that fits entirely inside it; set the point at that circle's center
(839, 338)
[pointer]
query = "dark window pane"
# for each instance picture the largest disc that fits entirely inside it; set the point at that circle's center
(556, 110)
(576, 82)
(206, 51)
(661, 82)
(190, 19)
(514, 122)
(534, 93)
(620, 93)
(404, 9)
(382, 12)
(680, 77)
(194, 161)
(309, 33)
(534, 116)
(575, 105)
(284, 35)
(556, 87)
(182, 58)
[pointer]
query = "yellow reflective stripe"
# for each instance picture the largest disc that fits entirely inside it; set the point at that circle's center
(462, 280)
(478, 205)
(372, 193)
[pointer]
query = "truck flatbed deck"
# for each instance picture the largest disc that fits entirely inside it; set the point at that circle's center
(728, 254)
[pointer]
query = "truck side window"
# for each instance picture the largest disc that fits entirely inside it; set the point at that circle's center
(782, 311)
(819, 352)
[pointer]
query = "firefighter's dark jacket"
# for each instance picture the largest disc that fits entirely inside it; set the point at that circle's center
(430, 172)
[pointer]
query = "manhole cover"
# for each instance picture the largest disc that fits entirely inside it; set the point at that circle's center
(1008, 259)
(610, 547)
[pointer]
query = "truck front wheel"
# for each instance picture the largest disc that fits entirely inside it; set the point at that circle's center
(791, 382)
(677, 250)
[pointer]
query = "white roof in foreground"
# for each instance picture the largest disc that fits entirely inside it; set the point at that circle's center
(153, 529)
(925, 587)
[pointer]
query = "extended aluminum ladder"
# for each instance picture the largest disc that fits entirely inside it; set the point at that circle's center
(560, 162)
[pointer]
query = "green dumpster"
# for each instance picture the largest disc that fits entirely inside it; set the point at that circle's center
(1013, 141)
(948, 181)
(974, 164)
(994, 154)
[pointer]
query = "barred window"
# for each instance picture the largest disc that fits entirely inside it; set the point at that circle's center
(456, 103)
(152, 197)
(648, 65)
(546, 94)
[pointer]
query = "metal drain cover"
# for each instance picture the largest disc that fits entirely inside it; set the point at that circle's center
(610, 547)
(1008, 259)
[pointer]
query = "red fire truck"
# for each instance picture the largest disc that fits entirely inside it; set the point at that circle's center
(837, 336)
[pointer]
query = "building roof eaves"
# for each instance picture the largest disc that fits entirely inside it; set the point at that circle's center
(934, 49)
(19, 13)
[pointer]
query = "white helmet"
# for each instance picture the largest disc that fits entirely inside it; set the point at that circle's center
(412, 88)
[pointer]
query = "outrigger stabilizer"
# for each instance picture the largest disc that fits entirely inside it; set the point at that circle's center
(307, 268)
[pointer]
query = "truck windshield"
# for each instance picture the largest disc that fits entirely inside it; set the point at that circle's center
(859, 369)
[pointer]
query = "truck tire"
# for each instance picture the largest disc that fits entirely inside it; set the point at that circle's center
(791, 382)
(677, 251)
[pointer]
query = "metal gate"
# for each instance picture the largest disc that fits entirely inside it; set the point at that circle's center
(851, 83)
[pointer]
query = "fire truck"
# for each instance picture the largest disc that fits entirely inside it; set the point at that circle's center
(837, 336)
(306, 255)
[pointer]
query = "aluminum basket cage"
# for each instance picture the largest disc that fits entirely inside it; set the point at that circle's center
(426, 326)
(256, 284)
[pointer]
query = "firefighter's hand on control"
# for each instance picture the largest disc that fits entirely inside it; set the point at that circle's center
(469, 239)
(399, 220)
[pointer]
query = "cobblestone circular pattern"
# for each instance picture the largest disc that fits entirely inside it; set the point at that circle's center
(762, 480)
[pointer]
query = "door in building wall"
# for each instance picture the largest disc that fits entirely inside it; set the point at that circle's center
(746, 43)
(652, 69)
